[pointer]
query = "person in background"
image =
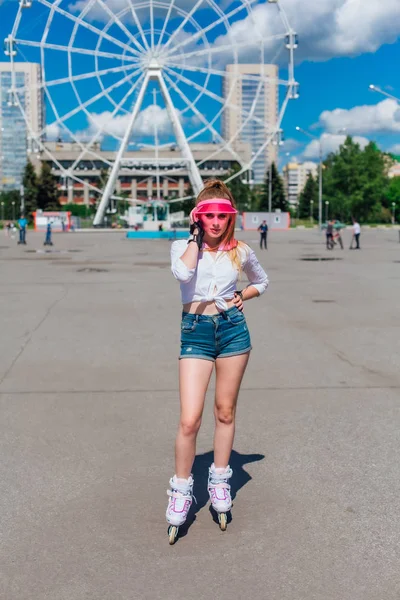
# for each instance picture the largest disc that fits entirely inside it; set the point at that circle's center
(22, 224)
(263, 229)
(356, 235)
(48, 241)
(337, 237)
(329, 236)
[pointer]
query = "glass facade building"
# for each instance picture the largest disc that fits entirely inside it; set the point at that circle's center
(241, 90)
(15, 139)
(252, 132)
(13, 135)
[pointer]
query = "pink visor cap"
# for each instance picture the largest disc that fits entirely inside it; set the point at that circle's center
(215, 205)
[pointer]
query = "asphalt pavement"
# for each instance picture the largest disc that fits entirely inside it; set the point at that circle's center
(89, 409)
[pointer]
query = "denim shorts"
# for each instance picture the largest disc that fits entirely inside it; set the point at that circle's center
(214, 336)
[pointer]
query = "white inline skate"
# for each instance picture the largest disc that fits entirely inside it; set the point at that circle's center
(180, 501)
(220, 493)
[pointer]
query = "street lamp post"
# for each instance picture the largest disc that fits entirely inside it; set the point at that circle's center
(314, 137)
(22, 192)
(375, 88)
(393, 213)
(276, 141)
(270, 194)
(326, 210)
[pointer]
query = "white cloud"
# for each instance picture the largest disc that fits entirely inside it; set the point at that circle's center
(116, 126)
(326, 28)
(330, 143)
(53, 132)
(383, 117)
(290, 145)
(394, 149)
(97, 12)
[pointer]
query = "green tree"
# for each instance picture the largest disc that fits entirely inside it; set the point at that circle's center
(10, 203)
(308, 195)
(47, 189)
(30, 183)
(392, 195)
(278, 192)
(355, 182)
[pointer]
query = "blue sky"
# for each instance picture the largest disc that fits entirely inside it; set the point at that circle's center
(344, 46)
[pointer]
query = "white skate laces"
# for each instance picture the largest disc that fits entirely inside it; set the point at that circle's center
(219, 488)
(180, 500)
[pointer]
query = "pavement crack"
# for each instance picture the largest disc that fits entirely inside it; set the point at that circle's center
(28, 339)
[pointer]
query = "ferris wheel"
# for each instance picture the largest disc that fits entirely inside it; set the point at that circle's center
(127, 75)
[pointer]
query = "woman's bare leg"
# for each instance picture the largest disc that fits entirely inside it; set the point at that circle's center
(194, 377)
(229, 374)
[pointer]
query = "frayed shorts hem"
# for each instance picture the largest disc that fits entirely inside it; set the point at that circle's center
(210, 358)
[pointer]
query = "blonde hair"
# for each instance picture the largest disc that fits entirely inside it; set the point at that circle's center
(215, 188)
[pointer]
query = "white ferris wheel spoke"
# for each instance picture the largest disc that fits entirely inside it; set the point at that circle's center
(228, 74)
(166, 21)
(81, 22)
(214, 24)
(152, 24)
(48, 46)
(208, 125)
(225, 47)
(138, 25)
(183, 23)
(98, 96)
(101, 130)
(90, 75)
(214, 96)
(249, 115)
(118, 21)
(47, 152)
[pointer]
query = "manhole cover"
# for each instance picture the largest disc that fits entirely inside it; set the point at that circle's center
(318, 258)
(160, 265)
(92, 270)
(4, 247)
(52, 251)
(324, 301)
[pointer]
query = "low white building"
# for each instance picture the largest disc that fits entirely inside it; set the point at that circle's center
(139, 175)
(295, 178)
(394, 171)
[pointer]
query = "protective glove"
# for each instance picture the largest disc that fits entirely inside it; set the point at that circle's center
(197, 230)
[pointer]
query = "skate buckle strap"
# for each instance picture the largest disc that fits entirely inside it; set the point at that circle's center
(220, 484)
(179, 496)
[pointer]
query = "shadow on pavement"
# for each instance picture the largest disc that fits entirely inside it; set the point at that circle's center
(200, 474)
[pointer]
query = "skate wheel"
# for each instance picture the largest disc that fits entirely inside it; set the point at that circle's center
(172, 534)
(223, 521)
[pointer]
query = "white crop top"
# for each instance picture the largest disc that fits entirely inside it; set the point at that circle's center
(215, 279)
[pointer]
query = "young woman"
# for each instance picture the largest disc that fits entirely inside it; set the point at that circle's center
(213, 331)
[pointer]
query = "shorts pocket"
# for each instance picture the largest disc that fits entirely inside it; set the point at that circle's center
(188, 324)
(237, 317)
